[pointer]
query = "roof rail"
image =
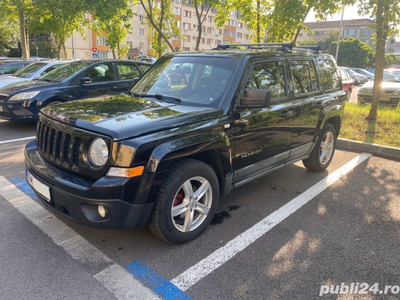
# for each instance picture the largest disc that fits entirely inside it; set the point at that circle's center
(310, 47)
(256, 46)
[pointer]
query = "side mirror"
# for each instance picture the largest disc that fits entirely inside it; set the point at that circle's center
(255, 99)
(86, 80)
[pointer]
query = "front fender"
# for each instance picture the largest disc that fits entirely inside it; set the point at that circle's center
(188, 146)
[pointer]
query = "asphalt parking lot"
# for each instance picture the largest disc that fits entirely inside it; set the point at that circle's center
(288, 235)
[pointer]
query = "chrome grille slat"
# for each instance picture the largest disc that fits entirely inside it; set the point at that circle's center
(62, 145)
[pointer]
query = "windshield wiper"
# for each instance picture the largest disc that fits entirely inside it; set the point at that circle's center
(168, 99)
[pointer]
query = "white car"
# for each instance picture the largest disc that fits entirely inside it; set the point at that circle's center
(369, 75)
(357, 77)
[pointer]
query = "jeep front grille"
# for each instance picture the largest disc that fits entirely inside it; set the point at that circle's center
(58, 147)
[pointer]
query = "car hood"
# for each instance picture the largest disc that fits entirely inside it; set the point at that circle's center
(7, 80)
(125, 117)
(387, 85)
(24, 85)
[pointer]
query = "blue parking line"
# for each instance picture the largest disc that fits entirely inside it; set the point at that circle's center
(24, 187)
(158, 284)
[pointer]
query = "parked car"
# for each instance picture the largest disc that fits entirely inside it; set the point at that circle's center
(30, 72)
(12, 66)
(347, 82)
(357, 77)
(72, 81)
(390, 89)
(165, 154)
(369, 75)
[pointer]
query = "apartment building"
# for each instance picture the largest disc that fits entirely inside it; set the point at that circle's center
(358, 28)
(95, 46)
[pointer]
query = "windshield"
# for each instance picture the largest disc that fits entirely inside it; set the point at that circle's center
(28, 71)
(65, 71)
(194, 80)
(391, 75)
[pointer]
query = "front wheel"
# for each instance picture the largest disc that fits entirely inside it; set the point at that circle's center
(186, 202)
(322, 154)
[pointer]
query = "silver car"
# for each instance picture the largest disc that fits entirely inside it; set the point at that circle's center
(30, 72)
(390, 93)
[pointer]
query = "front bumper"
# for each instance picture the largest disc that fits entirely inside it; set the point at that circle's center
(18, 111)
(384, 99)
(78, 198)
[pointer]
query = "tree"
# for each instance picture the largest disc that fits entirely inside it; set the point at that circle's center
(386, 14)
(202, 8)
(353, 53)
(8, 36)
(19, 8)
(160, 15)
(113, 19)
(59, 17)
(254, 13)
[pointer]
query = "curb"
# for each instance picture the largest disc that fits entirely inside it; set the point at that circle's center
(379, 150)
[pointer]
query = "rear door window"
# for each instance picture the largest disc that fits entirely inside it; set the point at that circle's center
(304, 76)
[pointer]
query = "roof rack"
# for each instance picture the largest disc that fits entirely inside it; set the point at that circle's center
(276, 46)
(257, 46)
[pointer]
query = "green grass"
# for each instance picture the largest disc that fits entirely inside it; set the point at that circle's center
(384, 131)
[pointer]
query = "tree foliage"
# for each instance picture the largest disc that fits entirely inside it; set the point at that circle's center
(113, 19)
(353, 53)
(59, 17)
(386, 14)
(9, 35)
(254, 13)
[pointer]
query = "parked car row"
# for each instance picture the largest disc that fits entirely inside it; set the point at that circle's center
(21, 100)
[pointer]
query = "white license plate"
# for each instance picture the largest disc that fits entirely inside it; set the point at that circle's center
(1, 108)
(39, 187)
(385, 99)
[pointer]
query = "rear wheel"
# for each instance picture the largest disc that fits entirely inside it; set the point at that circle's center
(186, 202)
(322, 154)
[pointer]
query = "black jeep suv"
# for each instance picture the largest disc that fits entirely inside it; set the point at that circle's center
(196, 126)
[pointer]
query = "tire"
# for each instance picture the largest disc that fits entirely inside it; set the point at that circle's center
(322, 154)
(179, 214)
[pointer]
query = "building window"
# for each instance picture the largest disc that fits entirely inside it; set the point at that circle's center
(208, 41)
(177, 11)
(210, 18)
(367, 31)
(187, 13)
(240, 25)
(203, 40)
(233, 12)
(102, 54)
(129, 44)
(101, 40)
(217, 42)
(218, 32)
(141, 18)
(232, 33)
(186, 26)
(225, 32)
(141, 31)
(232, 23)
(239, 35)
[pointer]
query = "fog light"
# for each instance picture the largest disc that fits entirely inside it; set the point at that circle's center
(102, 211)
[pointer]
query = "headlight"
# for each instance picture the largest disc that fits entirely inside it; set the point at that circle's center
(365, 91)
(24, 96)
(98, 152)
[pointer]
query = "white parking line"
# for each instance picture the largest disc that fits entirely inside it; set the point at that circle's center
(126, 287)
(223, 254)
(17, 140)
